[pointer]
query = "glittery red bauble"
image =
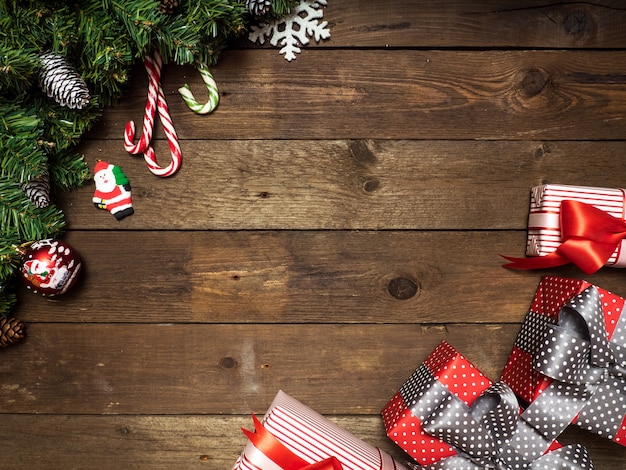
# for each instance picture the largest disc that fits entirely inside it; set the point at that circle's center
(50, 267)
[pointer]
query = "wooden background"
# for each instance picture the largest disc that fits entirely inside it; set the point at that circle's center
(333, 221)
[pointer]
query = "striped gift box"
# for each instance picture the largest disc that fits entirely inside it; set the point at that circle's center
(313, 438)
(544, 230)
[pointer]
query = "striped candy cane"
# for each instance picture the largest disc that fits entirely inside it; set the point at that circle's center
(156, 102)
(153, 67)
(172, 140)
(211, 87)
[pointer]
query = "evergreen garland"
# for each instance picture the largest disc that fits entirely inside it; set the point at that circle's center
(102, 40)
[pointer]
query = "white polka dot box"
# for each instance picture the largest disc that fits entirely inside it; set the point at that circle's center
(292, 436)
(560, 212)
(449, 415)
(571, 352)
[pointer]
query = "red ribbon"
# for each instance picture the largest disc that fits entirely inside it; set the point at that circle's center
(280, 454)
(590, 236)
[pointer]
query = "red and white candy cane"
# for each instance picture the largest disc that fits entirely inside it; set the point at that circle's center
(156, 101)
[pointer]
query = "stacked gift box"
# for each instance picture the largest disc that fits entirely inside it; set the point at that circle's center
(567, 365)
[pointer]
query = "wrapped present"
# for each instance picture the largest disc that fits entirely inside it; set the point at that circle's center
(294, 437)
(572, 349)
(489, 432)
(575, 224)
(444, 369)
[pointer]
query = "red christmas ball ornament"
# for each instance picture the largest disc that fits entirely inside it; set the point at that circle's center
(50, 267)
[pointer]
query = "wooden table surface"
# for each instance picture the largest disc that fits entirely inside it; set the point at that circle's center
(333, 221)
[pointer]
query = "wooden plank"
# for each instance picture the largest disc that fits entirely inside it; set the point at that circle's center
(399, 94)
(175, 369)
(345, 184)
(458, 23)
(199, 441)
(297, 277)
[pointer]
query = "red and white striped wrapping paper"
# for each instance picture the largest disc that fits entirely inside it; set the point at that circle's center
(544, 228)
(313, 438)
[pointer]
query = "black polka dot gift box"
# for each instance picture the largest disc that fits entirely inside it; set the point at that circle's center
(292, 436)
(449, 416)
(582, 225)
(444, 368)
(570, 355)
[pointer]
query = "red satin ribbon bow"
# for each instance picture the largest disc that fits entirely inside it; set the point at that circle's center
(590, 236)
(280, 455)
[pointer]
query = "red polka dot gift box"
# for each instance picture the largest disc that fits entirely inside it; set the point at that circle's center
(570, 355)
(404, 413)
(292, 436)
(582, 225)
(449, 416)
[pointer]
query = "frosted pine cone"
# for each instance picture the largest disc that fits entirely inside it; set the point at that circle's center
(61, 82)
(259, 7)
(11, 331)
(38, 190)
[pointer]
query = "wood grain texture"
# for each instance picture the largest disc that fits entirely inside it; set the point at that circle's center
(399, 94)
(297, 277)
(457, 23)
(345, 184)
(334, 219)
(177, 369)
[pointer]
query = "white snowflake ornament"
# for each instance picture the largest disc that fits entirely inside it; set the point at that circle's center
(294, 30)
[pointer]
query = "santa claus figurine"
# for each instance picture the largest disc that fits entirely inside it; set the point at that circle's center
(112, 190)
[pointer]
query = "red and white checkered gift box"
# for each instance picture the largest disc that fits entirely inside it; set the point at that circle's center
(405, 412)
(544, 225)
(289, 427)
(553, 293)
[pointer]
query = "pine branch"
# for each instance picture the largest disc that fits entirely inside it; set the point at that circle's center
(17, 68)
(8, 299)
(69, 170)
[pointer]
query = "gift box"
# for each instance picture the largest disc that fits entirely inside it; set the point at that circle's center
(448, 415)
(575, 224)
(403, 415)
(572, 346)
(293, 437)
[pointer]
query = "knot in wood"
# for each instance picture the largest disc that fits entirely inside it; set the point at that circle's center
(227, 362)
(371, 185)
(402, 288)
(533, 82)
(576, 23)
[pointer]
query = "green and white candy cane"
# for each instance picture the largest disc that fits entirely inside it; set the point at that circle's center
(211, 87)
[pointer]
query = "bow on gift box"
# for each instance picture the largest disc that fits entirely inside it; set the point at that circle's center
(589, 369)
(590, 236)
(491, 434)
(276, 451)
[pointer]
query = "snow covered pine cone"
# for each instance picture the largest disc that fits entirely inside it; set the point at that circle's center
(38, 190)
(61, 82)
(11, 331)
(259, 7)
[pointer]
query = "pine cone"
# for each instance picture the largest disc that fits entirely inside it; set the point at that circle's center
(61, 82)
(11, 331)
(259, 7)
(168, 6)
(38, 190)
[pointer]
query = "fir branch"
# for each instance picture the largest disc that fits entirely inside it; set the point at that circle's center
(141, 19)
(69, 170)
(8, 299)
(107, 54)
(17, 68)
(23, 221)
